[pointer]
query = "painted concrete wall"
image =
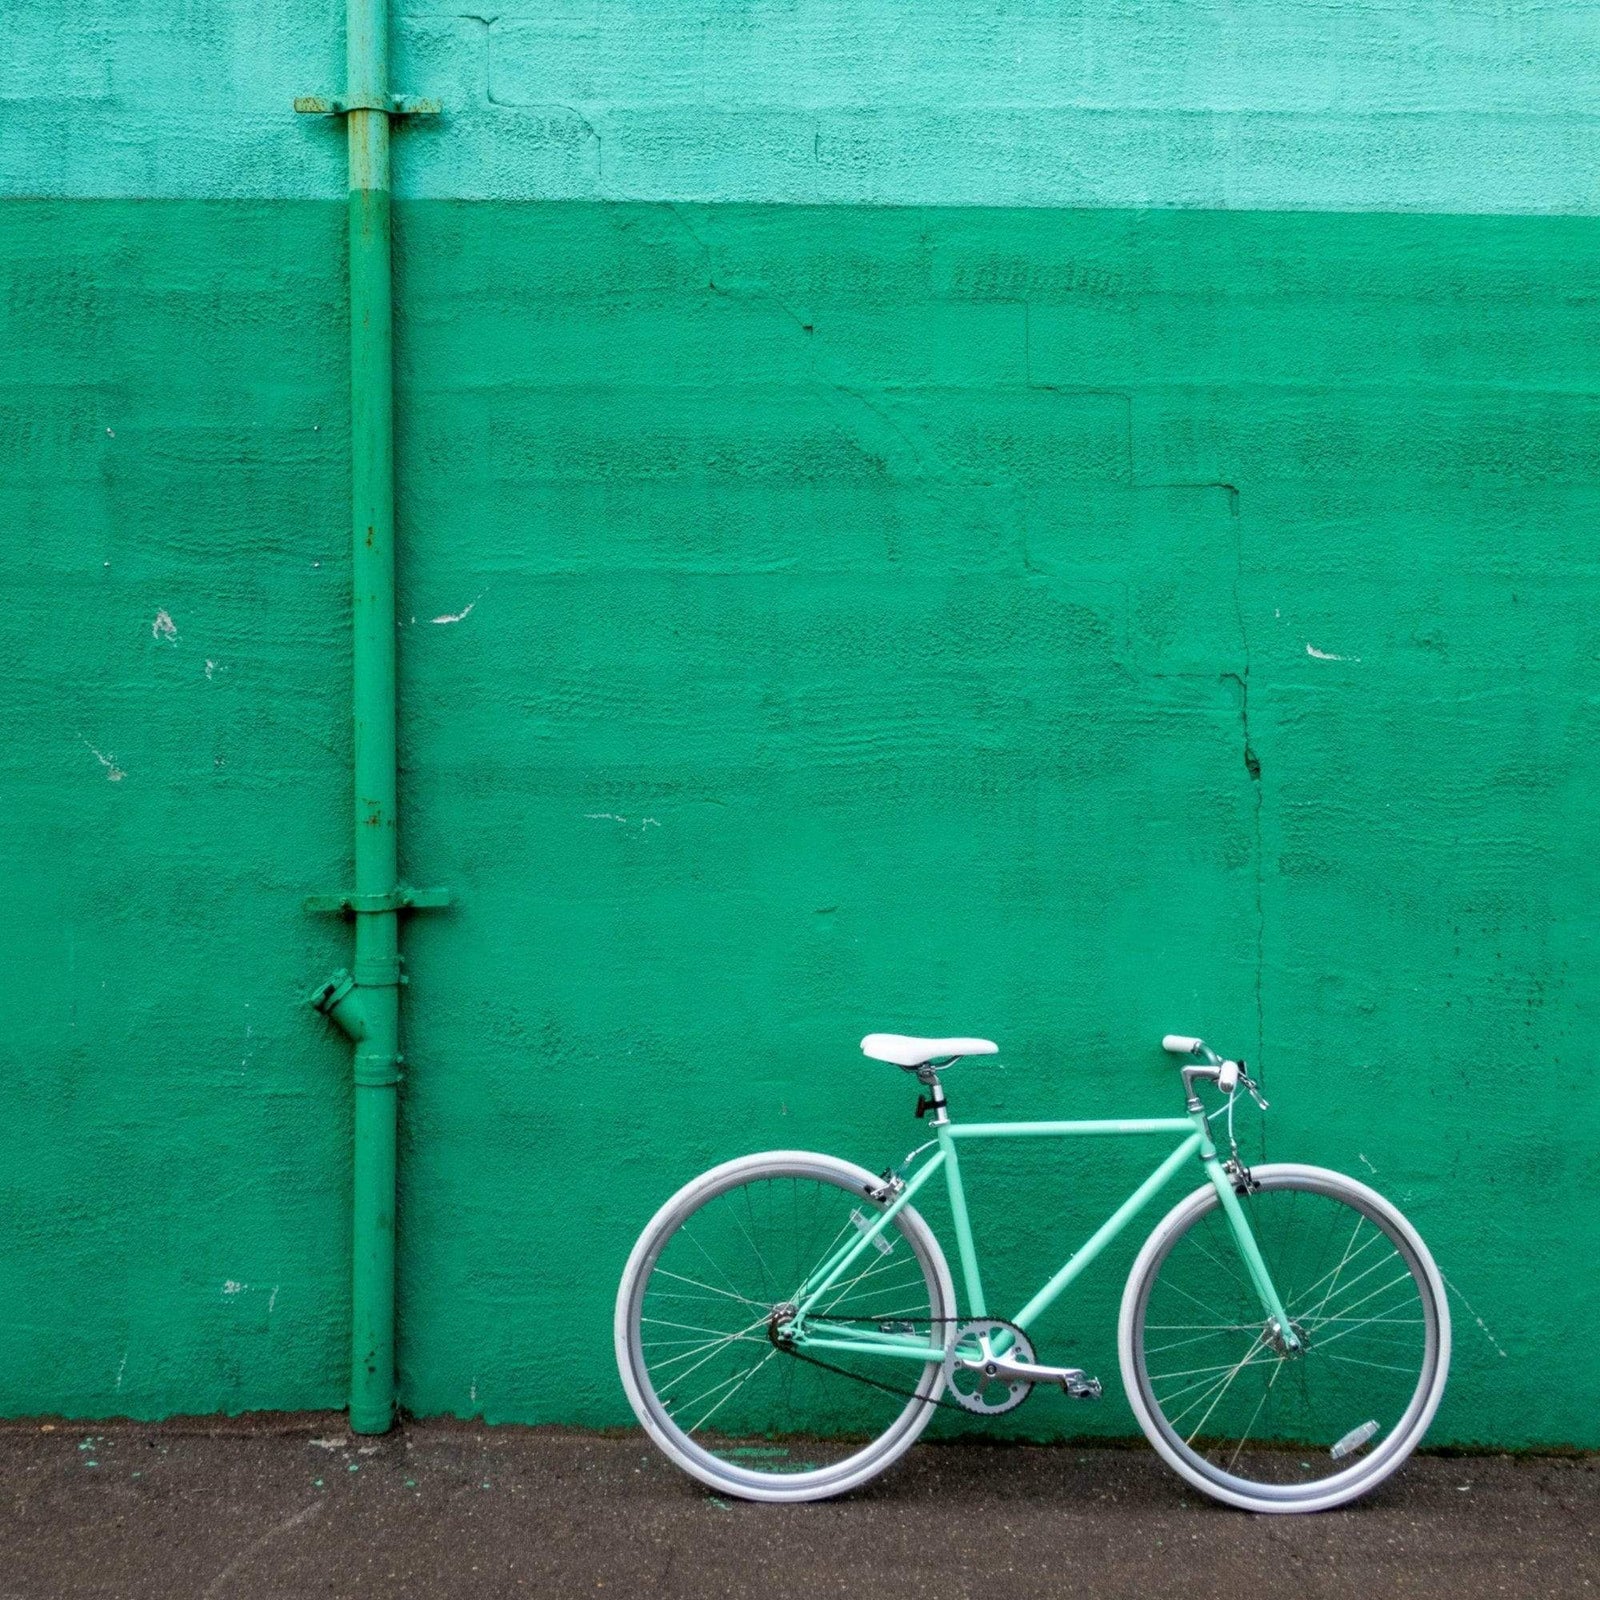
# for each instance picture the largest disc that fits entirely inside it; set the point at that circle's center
(1426, 105)
(1065, 624)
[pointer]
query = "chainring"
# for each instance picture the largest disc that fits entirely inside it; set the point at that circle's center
(986, 1394)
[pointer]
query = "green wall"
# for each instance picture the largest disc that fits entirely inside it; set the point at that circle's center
(1046, 618)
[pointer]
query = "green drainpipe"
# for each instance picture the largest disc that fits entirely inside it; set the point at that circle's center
(365, 1002)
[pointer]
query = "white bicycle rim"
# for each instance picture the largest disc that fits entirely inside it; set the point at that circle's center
(839, 1477)
(1367, 1473)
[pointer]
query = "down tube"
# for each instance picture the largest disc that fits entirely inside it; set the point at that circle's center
(1107, 1231)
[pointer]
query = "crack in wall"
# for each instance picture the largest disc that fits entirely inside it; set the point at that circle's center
(1252, 764)
(586, 128)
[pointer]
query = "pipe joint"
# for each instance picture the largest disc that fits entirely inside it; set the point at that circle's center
(378, 972)
(338, 998)
(377, 1069)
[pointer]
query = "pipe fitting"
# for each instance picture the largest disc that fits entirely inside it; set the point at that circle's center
(339, 1000)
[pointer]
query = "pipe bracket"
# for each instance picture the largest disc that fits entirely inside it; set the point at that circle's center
(401, 898)
(397, 105)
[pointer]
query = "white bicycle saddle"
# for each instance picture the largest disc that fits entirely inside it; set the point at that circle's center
(902, 1050)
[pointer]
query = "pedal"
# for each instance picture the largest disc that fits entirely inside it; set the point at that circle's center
(1079, 1387)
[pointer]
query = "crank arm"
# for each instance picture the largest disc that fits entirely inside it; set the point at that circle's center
(1072, 1379)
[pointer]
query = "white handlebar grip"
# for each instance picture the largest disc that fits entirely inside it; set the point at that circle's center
(1180, 1044)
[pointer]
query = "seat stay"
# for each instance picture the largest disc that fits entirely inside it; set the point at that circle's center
(837, 1264)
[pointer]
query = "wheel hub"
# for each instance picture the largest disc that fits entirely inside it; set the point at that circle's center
(1272, 1337)
(778, 1320)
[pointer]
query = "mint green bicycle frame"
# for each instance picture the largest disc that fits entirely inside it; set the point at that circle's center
(1197, 1139)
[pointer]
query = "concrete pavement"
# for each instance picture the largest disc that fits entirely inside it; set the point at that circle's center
(294, 1506)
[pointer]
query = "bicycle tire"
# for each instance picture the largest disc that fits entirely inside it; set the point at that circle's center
(1294, 1464)
(785, 1480)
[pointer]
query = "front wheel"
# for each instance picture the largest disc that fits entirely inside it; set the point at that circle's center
(1228, 1403)
(702, 1298)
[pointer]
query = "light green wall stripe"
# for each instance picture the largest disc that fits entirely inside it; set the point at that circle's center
(1407, 105)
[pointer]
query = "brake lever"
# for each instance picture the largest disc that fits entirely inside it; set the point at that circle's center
(1250, 1084)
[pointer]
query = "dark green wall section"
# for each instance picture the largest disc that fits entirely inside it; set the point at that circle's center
(1064, 626)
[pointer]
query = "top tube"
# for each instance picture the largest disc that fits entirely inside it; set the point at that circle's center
(1113, 1125)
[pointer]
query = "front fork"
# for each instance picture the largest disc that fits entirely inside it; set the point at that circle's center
(1281, 1333)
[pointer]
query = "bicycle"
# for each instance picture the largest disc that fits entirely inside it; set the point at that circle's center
(787, 1324)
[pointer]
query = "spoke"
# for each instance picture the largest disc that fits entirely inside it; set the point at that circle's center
(1220, 1265)
(1232, 1460)
(1350, 1283)
(824, 1258)
(699, 1344)
(1380, 1316)
(1179, 1289)
(880, 1292)
(1198, 1338)
(767, 1277)
(1355, 1361)
(705, 1394)
(1405, 1277)
(1185, 1327)
(1227, 1383)
(1378, 1320)
(1334, 1271)
(841, 1290)
(684, 1230)
(1207, 1384)
(721, 1345)
(742, 1380)
(743, 1298)
(1335, 1213)
(691, 1327)
(1191, 1372)
(1404, 1345)
(876, 1312)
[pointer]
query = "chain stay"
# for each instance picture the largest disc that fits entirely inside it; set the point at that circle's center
(886, 1325)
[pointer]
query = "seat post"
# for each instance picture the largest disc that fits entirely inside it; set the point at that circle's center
(936, 1103)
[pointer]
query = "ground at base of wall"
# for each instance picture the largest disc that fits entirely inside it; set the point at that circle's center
(297, 1506)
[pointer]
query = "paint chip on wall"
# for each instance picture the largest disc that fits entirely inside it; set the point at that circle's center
(114, 773)
(458, 616)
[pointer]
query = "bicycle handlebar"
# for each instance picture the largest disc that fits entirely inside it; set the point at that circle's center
(1227, 1075)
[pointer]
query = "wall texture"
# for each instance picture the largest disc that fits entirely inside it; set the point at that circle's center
(1106, 549)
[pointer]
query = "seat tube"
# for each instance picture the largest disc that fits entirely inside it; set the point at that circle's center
(958, 1211)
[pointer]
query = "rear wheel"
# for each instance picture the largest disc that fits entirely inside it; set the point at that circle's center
(727, 1404)
(1215, 1389)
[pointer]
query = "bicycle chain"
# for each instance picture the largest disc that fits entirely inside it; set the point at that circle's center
(872, 1383)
